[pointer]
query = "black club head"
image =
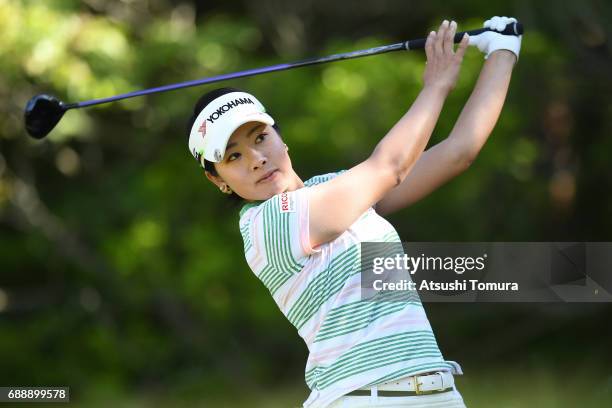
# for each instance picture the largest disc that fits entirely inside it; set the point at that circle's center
(42, 113)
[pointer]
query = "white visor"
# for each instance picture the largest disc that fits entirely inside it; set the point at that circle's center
(215, 124)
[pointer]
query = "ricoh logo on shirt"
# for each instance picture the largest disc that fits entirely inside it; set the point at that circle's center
(286, 203)
(224, 108)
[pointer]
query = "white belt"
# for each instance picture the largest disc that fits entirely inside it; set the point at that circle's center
(421, 383)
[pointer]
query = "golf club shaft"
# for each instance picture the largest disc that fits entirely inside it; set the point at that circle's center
(513, 29)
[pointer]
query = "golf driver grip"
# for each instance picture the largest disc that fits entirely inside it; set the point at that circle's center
(511, 29)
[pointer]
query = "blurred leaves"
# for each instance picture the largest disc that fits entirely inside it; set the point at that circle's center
(122, 266)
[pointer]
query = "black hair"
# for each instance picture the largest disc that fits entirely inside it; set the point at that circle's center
(199, 106)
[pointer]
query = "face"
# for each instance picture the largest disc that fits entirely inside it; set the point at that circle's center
(256, 165)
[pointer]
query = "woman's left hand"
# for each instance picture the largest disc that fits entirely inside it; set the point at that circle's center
(443, 63)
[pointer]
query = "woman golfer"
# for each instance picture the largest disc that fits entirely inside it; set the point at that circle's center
(302, 238)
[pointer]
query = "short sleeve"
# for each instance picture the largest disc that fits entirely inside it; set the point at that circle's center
(276, 236)
(322, 178)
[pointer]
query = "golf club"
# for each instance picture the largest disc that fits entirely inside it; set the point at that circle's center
(43, 112)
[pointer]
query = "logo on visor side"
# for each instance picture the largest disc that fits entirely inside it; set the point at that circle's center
(218, 156)
(196, 154)
(226, 107)
(202, 129)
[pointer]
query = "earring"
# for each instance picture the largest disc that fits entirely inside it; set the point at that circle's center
(286, 147)
(226, 189)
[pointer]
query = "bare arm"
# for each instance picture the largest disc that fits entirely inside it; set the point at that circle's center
(454, 155)
(335, 205)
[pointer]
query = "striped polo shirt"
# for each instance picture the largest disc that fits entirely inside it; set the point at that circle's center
(352, 342)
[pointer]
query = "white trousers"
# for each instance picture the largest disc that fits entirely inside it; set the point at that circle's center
(451, 399)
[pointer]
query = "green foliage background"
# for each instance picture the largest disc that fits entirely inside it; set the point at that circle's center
(119, 273)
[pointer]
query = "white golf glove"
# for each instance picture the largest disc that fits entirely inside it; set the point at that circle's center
(490, 41)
